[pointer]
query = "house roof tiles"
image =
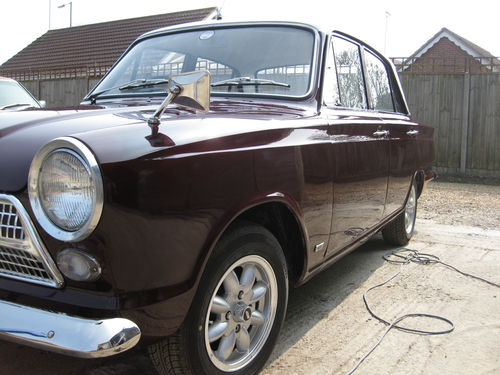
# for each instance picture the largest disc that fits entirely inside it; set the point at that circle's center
(95, 45)
(471, 48)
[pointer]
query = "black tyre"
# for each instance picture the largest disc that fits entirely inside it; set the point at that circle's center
(399, 231)
(237, 312)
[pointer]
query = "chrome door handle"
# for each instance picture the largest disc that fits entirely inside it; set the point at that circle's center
(381, 133)
(412, 133)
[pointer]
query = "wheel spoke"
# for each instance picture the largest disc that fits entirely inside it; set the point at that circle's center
(258, 291)
(216, 330)
(233, 339)
(231, 284)
(410, 212)
(243, 340)
(247, 277)
(258, 319)
(219, 306)
(226, 347)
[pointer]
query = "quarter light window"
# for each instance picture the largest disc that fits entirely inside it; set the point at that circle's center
(350, 74)
(330, 86)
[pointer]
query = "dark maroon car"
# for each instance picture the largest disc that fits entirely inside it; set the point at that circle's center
(214, 166)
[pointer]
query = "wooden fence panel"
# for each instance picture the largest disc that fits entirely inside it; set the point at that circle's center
(33, 87)
(437, 100)
(61, 92)
(464, 109)
(483, 149)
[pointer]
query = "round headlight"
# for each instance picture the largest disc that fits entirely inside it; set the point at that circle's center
(65, 188)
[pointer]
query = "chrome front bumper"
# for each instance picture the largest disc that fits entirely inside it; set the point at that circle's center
(70, 335)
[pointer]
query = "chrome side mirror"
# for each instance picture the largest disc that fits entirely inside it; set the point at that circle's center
(191, 90)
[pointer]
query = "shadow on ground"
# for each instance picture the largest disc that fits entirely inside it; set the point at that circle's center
(313, 301)
(308, 304)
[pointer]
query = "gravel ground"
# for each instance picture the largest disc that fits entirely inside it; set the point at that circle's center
(328, 332)
(461, 204)
(327, 328)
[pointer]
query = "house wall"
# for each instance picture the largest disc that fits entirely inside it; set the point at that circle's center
(446, 56)
(464, 109)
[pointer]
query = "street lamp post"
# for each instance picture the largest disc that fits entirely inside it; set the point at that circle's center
(387, 15)
(70, 12)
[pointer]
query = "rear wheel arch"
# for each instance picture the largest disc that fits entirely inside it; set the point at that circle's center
(399, 231)
(419, 179)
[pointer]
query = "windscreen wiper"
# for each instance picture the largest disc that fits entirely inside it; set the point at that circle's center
(249, 81)
(127, 86)
(143, 83)
(16, 105)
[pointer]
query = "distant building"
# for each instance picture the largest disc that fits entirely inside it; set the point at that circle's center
(88, 50)
(447, 52)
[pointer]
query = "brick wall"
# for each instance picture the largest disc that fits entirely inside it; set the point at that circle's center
(445, 56)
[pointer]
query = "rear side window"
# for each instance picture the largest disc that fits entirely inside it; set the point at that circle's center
(377, 81)
(350, 73)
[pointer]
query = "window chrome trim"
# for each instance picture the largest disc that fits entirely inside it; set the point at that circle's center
(391, 71)
(91, 163)
(201, 26)
(33, 245)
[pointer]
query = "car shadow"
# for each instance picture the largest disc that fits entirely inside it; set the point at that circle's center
(307, 305)
(313, 301)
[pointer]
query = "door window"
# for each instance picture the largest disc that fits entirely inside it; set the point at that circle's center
(350, 73)
(378, 83)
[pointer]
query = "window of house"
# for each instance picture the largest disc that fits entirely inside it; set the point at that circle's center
(160, 64)
(218, 71)
(349, 73)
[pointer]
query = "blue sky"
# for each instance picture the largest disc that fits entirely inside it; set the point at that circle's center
(409, 23)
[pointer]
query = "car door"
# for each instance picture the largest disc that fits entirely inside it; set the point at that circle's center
(360, 148)
(387, 101)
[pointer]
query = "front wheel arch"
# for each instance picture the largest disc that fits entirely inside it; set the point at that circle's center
(189, 351)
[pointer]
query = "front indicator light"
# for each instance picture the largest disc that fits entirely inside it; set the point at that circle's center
(78, 265)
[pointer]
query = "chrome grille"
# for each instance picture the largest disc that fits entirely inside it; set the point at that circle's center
(10, 225)
(21, 263)
(22, 253)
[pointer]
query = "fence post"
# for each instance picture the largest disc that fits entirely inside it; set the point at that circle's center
(465, 124)
(39, 87)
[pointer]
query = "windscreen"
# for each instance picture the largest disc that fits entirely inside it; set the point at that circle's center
(251, 60)
(11, 93)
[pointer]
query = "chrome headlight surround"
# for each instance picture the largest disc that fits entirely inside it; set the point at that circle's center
(83, 154)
